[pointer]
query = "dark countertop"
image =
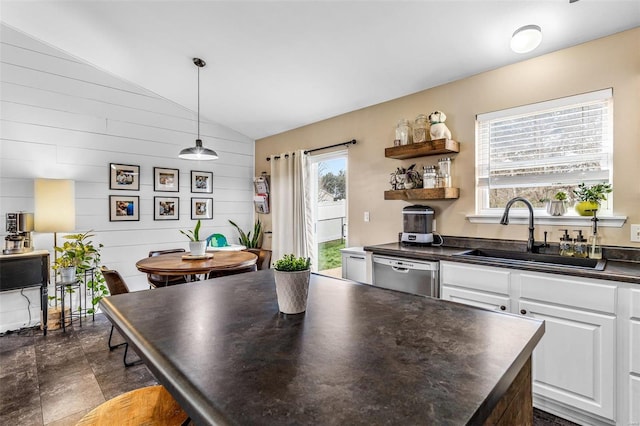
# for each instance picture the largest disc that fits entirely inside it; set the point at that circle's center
(615, 270)
(359, 355)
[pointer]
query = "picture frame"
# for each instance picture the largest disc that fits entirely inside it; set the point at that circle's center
(201, 208)
(166, 208)
(201, 182)
(124, 208)
(124, 177)
(166, 180)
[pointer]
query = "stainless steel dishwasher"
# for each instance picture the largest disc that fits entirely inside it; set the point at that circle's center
(408, 275)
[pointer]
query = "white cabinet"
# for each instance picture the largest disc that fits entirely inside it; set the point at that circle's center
(574, 365)
(632, 372)
(354, 264)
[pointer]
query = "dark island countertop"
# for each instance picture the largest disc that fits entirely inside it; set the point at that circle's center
(622, 270)
(359, 355)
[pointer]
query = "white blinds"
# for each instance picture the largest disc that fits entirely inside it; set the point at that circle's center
(564, 141)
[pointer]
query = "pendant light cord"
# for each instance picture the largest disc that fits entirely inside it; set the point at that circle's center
(198, 102)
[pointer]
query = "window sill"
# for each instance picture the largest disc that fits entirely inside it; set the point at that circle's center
(603, 221)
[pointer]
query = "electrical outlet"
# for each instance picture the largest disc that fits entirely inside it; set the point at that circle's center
(635, 233)
(366, 216)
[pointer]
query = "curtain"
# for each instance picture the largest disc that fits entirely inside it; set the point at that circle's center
(292, 222)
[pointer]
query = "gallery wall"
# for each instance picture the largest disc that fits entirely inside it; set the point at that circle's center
(62, 118)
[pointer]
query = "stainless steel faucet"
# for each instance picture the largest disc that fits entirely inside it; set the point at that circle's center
(505, 220)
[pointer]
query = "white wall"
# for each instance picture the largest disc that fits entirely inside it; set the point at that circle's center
(64, 119)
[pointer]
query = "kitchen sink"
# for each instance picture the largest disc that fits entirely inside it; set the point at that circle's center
(523, 258)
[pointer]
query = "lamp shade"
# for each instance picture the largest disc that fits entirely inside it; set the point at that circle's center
(198, 152)
(55, 205)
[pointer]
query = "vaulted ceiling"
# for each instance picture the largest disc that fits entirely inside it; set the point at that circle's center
(276, 65)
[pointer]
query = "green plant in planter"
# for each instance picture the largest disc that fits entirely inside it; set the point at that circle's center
(193, 235)
(290, 263)
(590, 197)
(560, 196)
(246, 239)
(79, 251)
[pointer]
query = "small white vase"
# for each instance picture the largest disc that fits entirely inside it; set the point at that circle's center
(68, 274)
(292, 289)
(556, 208)
(197, 248)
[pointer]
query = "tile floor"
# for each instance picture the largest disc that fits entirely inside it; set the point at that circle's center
(55, 380)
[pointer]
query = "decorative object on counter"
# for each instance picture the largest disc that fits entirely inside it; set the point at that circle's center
(558, 206)
(403, 132)
(196, 247)
(590, 197)
(246, 239)
(438, 129)
(566, 244)
(579, 245)
(444, 172)
(420, 129)
(291, 276)
(429, 177)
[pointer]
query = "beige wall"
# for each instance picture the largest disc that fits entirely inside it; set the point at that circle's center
(608, 62)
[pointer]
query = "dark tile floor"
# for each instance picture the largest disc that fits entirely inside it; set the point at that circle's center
(57, 379)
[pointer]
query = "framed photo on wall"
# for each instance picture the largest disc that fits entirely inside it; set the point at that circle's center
(201, 208)
(201, 181)
(124, 208)
(124, 177)
(166, 180)
(166, 208)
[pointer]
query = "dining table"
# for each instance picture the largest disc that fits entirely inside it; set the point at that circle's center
(185, 264)
(358, 355)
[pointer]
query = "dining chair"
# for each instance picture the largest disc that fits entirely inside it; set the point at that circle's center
(165, 280)
(232, 271)
(116, 285)
(264, 258)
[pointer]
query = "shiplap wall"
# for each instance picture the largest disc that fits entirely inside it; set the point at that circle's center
(62, 118)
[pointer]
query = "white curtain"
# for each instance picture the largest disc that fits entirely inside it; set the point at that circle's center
(291, 207)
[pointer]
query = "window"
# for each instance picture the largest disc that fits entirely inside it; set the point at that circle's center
(535, 150)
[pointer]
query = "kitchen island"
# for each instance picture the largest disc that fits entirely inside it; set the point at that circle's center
(359, 355)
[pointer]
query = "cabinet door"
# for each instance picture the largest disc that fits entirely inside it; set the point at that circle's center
(476, 298)
(574, 362)
(354, 267)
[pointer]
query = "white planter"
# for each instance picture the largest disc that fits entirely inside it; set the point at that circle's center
(292, 289)
(197, 248)
(556, 208)
(68, 274)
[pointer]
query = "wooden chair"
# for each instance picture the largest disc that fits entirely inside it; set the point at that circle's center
(231, 271)
(152, 405)
(164, 280)
(264, 258)
(116, 285)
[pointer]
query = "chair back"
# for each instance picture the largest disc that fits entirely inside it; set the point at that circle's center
(232, 271)
(264, 257)
(114, 281)
(160, 280)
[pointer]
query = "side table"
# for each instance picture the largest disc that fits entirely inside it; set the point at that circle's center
(70, 288)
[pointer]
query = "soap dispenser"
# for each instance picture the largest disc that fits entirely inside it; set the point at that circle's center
(566, 244)
(595, 249)
(580, 245)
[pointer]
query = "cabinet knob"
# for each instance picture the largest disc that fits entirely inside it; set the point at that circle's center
(502, 307)
(523, 311)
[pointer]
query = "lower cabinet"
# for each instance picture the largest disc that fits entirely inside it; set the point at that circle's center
(632, 372)
(354, 264)
(574, 365)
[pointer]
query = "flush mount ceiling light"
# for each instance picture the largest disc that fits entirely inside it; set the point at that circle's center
(526, 38)
(198, 152)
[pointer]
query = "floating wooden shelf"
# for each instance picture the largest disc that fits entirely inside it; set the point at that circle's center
(423, 194)
(435, 147)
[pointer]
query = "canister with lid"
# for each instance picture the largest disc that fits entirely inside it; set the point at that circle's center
(403, 132)
(429, 177)
(444, 165)
(420, 129)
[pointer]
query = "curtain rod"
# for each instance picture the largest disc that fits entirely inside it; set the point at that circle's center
(347, 143)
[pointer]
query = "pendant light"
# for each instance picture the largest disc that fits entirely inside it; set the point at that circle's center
(198, 152)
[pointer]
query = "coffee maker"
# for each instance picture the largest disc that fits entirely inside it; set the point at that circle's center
(417, 223)
(19, 227)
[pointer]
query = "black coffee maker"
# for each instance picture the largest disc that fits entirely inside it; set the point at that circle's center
(19, 227)
(417, 224)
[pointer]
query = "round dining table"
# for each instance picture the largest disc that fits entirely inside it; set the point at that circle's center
(184, 264)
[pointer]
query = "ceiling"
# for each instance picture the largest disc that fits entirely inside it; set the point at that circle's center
(277, 65)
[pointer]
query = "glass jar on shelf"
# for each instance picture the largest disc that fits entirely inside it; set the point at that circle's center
(444, 166)
(429, 177)
(420, 129)
(403, 132)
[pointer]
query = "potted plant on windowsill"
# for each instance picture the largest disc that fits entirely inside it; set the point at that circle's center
(291, 275)
(557, 206)
(196, 246)
(589, 197)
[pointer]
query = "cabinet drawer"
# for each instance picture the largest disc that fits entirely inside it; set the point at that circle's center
(576, 292)
(485, 278)
(476, 298)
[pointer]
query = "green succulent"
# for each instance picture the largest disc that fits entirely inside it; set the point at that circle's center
(290, 263)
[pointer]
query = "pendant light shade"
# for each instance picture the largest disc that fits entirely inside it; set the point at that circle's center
(198, 152)
(526, 38)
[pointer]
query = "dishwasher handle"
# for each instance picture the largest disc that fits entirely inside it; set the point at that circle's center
(399, 269)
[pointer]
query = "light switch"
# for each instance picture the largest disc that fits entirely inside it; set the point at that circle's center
(635, 233)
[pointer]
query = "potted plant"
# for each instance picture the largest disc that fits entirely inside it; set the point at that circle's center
(245, 239)
(76, 256)
(196, 246)
(590, 197)
(557, 206)
(291, 275)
